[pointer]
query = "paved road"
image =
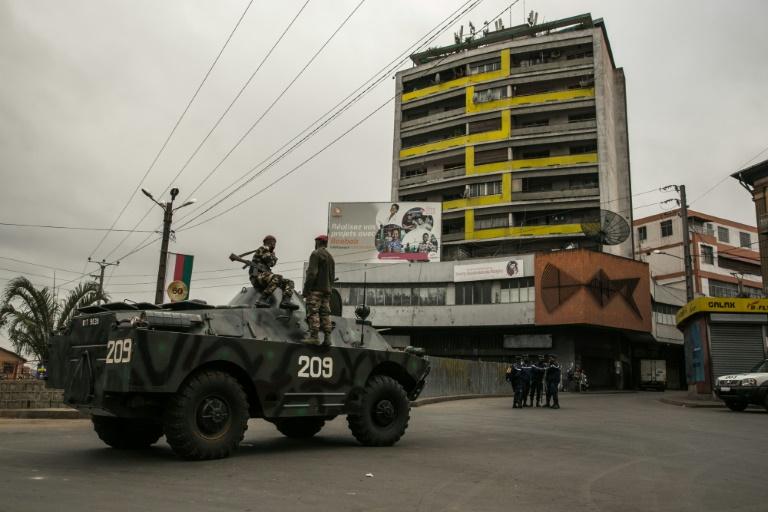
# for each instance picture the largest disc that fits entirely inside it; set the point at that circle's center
(599, 452)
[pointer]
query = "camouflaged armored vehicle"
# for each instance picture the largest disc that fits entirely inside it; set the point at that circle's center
(196, 373)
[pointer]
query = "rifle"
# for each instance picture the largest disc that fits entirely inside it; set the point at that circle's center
(260, 267)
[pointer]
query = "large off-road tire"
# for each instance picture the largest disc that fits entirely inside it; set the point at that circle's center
(207, 417)
(736, 406)
(127, 433)
(384, 413)
(299, 428)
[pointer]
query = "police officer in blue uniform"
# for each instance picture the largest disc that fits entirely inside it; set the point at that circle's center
(539, 368)
(552, 378)
(514, 377)
(526, 376)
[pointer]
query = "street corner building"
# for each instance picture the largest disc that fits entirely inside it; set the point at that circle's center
(521, 134)
(592, 309)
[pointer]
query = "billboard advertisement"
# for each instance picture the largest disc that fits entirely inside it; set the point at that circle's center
(491, 270)
(377, 232)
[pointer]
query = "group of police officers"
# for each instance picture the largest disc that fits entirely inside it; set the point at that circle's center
(528, 373)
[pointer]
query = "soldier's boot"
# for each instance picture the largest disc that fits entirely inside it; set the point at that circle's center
(264, 301)
(556, 406)
(287, 304)
(312, 338)
(326, 339)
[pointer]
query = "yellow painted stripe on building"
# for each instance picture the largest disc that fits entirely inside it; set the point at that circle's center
(463, 81)
(558, 229)
(469, 223)
(584, 158)
(531, 99)
(464, 140)
(515, 165)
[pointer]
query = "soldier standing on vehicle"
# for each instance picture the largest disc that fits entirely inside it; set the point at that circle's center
(552, 378)
(318, 282)
(262, 277)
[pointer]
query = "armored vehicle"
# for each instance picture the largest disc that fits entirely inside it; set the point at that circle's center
(196, 373)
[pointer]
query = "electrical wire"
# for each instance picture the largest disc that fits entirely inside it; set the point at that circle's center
(713, 187)
(175, 126)
(72, 228)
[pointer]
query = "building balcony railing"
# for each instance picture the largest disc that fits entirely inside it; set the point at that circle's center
(431, 176)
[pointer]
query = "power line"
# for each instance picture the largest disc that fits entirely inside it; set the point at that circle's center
(237, 96)
(25, 262)
(315, 130)
(713, 187)
(72, 228)
(175, 126)
(473, 3)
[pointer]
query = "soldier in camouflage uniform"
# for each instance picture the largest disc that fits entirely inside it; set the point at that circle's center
(262, 277)
(321, 274)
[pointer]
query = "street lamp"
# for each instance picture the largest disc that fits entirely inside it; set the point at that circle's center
(168, 210)
(688, 272)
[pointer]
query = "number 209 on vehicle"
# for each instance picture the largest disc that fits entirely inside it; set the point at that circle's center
(315, 367)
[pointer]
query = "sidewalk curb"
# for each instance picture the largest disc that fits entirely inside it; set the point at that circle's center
(437, 399)
(42, 414)
(692, 403)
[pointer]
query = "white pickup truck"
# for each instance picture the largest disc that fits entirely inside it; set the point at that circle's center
(740, 390)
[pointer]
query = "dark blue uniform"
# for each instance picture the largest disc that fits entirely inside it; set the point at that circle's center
(513, 376)
(538, 376)
(526, 376)
(552, 379)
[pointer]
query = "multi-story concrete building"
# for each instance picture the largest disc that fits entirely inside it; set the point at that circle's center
(755, 179)
(521, 134)
(724, 253)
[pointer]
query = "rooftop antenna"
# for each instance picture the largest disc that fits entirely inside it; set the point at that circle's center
(533, 18)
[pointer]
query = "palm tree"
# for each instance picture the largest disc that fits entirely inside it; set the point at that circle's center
(29, 315)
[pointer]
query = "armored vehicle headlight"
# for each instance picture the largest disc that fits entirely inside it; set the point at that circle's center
(749, 382)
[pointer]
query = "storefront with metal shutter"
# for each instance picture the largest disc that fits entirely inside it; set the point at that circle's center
(736, 342)
(722, 337)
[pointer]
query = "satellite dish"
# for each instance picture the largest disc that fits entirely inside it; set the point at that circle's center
(610, 229)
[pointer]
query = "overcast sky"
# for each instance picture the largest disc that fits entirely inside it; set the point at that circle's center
(90, 90)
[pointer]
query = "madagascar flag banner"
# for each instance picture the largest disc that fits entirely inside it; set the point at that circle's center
(178, 275)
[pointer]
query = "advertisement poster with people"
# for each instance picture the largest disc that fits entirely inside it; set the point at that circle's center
(371, 232)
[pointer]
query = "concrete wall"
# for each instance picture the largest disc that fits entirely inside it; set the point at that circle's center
(29, 394)
(450, 377)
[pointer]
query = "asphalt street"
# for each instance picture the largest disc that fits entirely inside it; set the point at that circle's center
(626, 452)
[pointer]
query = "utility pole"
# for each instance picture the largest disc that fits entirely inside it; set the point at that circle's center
(103, 264)
(168, 210)
(683, 204)
(686, 245)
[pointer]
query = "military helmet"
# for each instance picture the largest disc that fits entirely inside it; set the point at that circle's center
(321, 238)
(269, 238)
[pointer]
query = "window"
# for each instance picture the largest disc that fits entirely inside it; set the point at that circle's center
(544, 153)
(487, 95)
(412, 172)
(478, 292)
(397, 295)
(707, 255)
(517, 290)
(745, 239)
(577, 118)
(665, 313)
(585, 148)
(642, 233)
(488, 125)
(722, 234)
(666, 228)
(8, 368)
(723, 289)
(488, 188)
(492, 221)
(484, 67)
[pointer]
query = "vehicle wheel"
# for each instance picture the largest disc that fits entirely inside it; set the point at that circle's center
(736, 406)
(127, 433)
(207, 417)
(299, 428)
(384, 415)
